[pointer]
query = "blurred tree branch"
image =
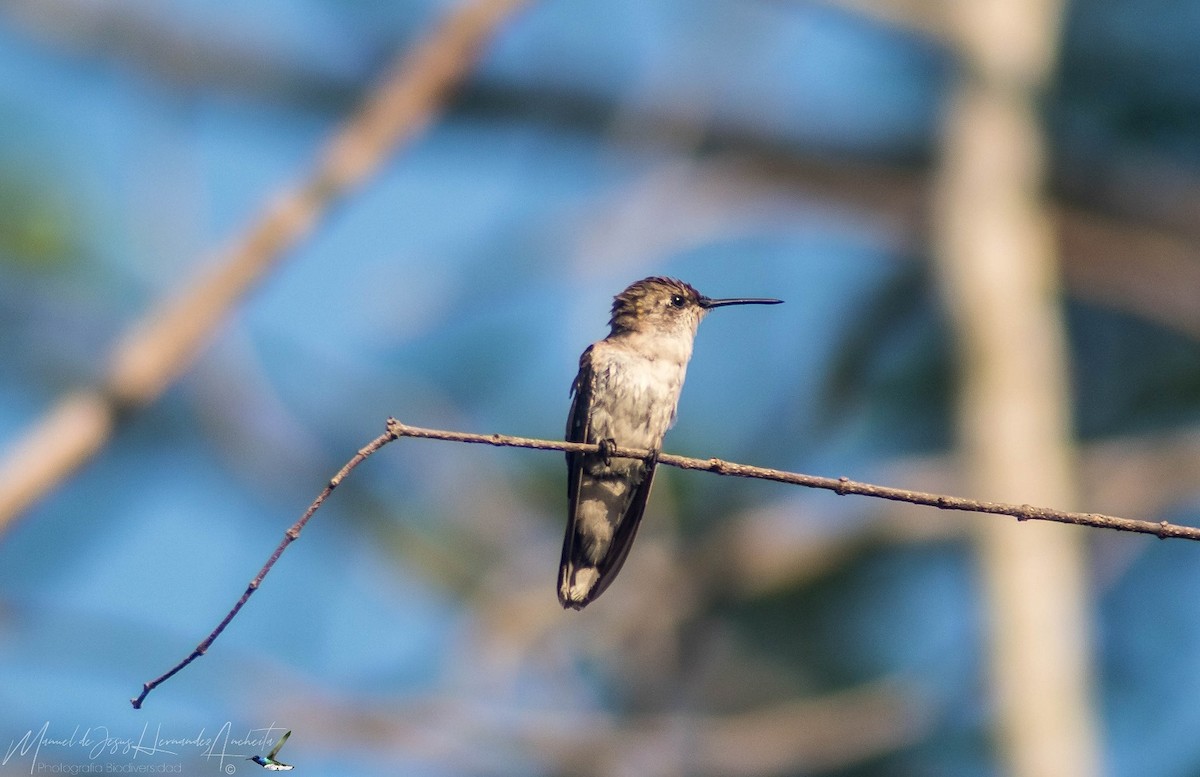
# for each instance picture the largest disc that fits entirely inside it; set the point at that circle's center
(164, 343)
(927, 17)
(812, 735)
(807, 736)
(765, 550)
(842, 486)
(998, 270)
(1157, 198)
(169, 50)
(1123, 263)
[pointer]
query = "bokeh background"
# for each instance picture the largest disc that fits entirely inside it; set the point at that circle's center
(982, 217)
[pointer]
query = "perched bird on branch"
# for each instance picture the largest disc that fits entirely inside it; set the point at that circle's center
(625, 395)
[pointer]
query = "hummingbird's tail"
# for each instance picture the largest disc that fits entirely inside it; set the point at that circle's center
(605, 512)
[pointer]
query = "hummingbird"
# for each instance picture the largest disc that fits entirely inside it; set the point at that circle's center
(625, 395)
(269, 762)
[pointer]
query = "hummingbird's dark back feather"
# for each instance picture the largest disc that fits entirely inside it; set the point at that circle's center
(578, 427)
(581, 400)
(577, 431)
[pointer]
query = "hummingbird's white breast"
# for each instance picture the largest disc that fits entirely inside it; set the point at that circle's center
(637, 382)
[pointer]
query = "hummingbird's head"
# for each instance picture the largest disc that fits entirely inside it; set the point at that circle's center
(667, 306)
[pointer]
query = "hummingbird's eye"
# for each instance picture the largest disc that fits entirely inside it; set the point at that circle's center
(677, 301)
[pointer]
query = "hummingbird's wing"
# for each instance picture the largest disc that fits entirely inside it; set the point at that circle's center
(278, 746)
(579, 418)
(605, 505)
(578, 428)
(626, 530)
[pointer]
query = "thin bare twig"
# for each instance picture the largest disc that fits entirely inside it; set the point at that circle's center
(841, 486)
(289, 537)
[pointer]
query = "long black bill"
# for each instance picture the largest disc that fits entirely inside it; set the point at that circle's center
(707, 303)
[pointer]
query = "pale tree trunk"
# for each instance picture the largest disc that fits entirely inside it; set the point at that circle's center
(995, 255)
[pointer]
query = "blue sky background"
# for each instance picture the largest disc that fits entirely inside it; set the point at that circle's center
(414, 626)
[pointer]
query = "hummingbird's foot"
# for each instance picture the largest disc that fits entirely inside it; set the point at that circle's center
(607, 446)
(651, 460)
